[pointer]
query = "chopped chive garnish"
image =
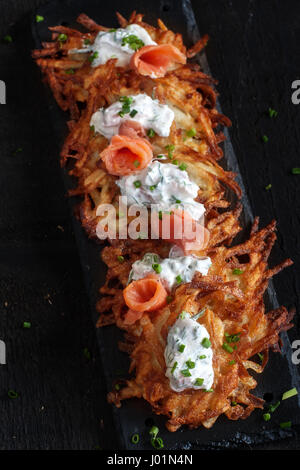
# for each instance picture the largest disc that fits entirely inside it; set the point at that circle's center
(137, 184)
(136, 163)
(182, 315)
(233, 403)
(274, 407)
(183, 166)
(181, 348)
(150, 133)
(296, 171)
(203, 356)
(87, 42)
(190, 364)
(206, 343)
(70, 71)
(157, 268)
(286, 425)
(39, 18)
(265, 138)
(92, 128)
(152, 187)
(133, 113)
(170, 148)
(227, 348)
(135, 438)
(186, 373)
(62, 37)
(133, 42)
(232, 338)
(8, 38)
(117, 387)
(174, 367)
(26, 324)
(154, 431)
(199, 382)
(191, 132)
(231, 363)
(112, 30)
(178, 201)
(12, 394)
(209, 390)
(178, 279)
(269, 186)
(93, 56)
(290, 393)
(121, 258)
(157, 443)
(272, 113)
(159, 156)
(160, 215)
(261, 356)
(266, 416)
(175, 162)
(169, 299)
(237, 271)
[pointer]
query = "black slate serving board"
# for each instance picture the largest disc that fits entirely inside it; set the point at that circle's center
(135, 415)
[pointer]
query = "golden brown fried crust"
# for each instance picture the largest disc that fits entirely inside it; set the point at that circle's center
(233, 290)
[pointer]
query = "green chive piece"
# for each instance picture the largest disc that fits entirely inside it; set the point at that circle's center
(261, 356)
(227, 348)
(12, 394)
(93, 56)
(170, 148)
(174, 367)
(206, 343)
(274, 407)
(269, 186)
(157, 268)
(39, 18)
(190, 364)
(62, 37)
(70, 71)
(157, 443)
(199, 382)
(237, 271)
(183, 314)
(136, 163)
(121, 258)
(154, 431)
(265, 138)
(209, 390)
(181, 348)
(266, 416)
(92, 129)
(183, 166)
(232, 338)
(203, 356)
(117, 387)
(26, 324)
(133, 42)
(286, 425)
(159, 156)
(296, 171)
(133, 113)
(290, 393)
(175, 162)
(233, 403)
(272, 112)
(135, 438)
(178, 279)
(160, 215)
(8, 38)
(150, 132)
(87, 353)
(191, 132)
(169, 299)
(178, 201)
(186, 373)
(231, 363)
(152, 187)
(137, 184)
(87, 42)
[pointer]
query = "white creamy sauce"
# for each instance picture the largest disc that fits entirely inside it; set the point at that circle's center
(170, 268)
(163, 184)
(188, 361)
(108, 45)
(151, 114)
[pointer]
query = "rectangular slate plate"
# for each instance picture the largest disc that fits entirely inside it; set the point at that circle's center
(136, 415)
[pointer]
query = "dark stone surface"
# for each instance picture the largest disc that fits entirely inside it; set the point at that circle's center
(253, 52)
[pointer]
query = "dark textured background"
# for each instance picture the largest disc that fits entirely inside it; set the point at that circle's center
(254, 53)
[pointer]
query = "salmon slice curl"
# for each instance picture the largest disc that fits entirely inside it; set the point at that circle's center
(125, 155)
(155, 61)
(145, 295)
